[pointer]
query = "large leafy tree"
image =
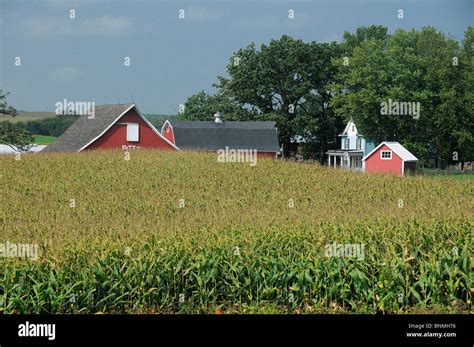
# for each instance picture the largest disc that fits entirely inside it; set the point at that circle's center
(310, 88)
(413, 66)
(464, 132)
(202, 106)
(316, 122)
(278, 79)
(362, 34)
(286, 81)
(18, 139)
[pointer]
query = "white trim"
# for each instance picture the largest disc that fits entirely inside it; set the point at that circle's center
(403, 167)
(163, 126)
(385, 150)
(281, 147)
(117, 119)
(172, 130)
(393, 147)
(347, 143)
(103, 132)
(133, 132)
(156, 131)
(373, 151)
(348, 127)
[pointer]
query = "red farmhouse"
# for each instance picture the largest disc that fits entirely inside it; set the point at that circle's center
(390, 157)
(112, 126)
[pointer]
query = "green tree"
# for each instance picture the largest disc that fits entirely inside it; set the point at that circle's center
(277, 82)
(202, 106)
(362, 34)
(464, 133)
(413, 66)
(287, 81)
(18, 139)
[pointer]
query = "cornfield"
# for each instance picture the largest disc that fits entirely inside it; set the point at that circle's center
(181, 233)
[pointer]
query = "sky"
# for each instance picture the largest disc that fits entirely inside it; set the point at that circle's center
(84, 58)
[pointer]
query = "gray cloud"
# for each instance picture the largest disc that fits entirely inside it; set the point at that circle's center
(50, 27)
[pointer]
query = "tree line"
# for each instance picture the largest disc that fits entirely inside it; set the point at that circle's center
(51, 126)
(19, 135)
(415, 87)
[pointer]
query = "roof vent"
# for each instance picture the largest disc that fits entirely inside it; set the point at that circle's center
(218, 117)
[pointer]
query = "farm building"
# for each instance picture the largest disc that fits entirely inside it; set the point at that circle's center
(354, 146)
(113, 126)
(214, 136)
(390, 157)
(116, 126)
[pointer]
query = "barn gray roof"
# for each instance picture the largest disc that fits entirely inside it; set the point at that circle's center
(84, 130)
(203, 135)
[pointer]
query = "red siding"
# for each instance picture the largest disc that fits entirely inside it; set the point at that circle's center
(116, 135)
(168, 133)
(269, 155)
(375, 164)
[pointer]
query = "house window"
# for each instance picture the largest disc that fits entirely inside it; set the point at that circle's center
(132, 132)
(386, 155)
(346, 144)
(167, 129)
(358, 142)
(356, 162)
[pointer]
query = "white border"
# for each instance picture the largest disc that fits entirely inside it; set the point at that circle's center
(138, 132)
(386, 150)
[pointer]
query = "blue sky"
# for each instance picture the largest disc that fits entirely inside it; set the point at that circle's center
(82, 59)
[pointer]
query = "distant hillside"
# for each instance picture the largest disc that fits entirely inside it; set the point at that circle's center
(24, 116)
(47, 123)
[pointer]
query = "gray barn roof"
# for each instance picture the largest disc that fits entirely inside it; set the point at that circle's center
(84, 130)
(202, 135)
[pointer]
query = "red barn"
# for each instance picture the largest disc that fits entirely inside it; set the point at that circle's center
(123, 126)
(390, 157)
(111, 127)
(219, 135)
